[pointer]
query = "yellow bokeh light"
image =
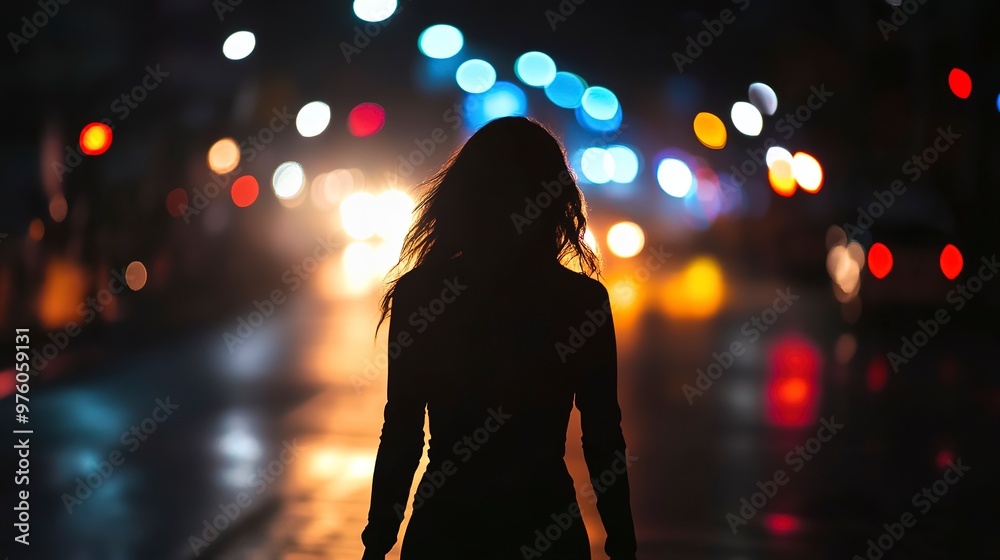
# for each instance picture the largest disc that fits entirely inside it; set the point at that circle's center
(625, 239)
(781, 179)
(224, 156)
(697, 292)
(807, 171)
(710, 130)
(135, 275)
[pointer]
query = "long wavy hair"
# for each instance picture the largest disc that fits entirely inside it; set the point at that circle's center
(507, 195)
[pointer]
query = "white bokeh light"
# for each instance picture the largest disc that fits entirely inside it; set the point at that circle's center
(674, 177)
(746, 118)
(239, 45)
(289, 180)
(374, 10)
(358, 214)
(313, 118)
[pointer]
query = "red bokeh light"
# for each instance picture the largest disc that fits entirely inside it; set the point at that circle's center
(366, 119)
(781, 523)
(951, 261)
(244, 191)
(877, 375)
(177, 202)
(960, 83)
(944, 457)
(793, 382)
(879, 260)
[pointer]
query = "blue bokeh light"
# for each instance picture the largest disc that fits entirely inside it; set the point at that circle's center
(440, 41)
(535, 69)
(600, 103)
(626, 164)
(566, 90)
(504, 99)
(594, 125)
(475, 76)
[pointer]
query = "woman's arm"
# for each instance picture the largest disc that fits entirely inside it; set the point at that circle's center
(402, 440)
(603, 442)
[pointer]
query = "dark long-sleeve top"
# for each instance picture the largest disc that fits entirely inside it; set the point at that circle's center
(498, 361)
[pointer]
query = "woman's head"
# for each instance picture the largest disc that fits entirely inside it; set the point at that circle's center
(508, 196)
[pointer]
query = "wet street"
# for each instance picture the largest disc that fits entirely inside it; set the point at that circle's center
(177, 448)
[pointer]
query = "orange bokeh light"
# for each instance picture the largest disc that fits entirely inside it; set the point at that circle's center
(244, 191)
(781, 178)
(95, 139)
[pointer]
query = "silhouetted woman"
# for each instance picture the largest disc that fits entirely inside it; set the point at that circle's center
(497, 339)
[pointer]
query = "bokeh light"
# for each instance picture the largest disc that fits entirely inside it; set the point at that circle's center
(394, 215)
(951, 261)
(780, 176)
(697, 292)
(177, 202)
(440, 41)
(588, 122)
(366, 119)
(504, 99)
(475, 76)
(239, 45)
(374, 11)
(710, 130)
(960, 83)
(224, 156)
(674, 177)
(135, 275)
(95, 139)
(289, 179)
(599, 102)
(566, 90)
(58, 208)
(807, 172)
(746, 118)
(879, 260)
(776, 153)
(359, 215)
(535, 69)
(597, 165)
(36, 229)
(626, 239)
(313, 118)
(626, 164)
(763, 98)
(245, 190)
